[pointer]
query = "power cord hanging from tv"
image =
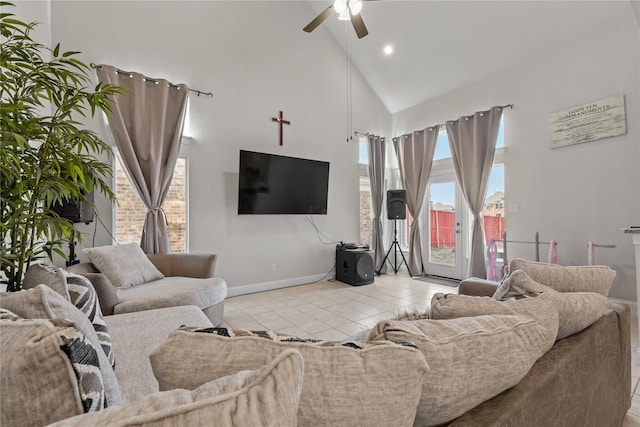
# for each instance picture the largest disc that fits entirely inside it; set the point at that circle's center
(319, 233)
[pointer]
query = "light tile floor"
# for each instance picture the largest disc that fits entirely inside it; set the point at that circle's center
(331, 310)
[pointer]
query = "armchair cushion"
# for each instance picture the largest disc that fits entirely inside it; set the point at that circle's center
(125, 265)
(171, 292)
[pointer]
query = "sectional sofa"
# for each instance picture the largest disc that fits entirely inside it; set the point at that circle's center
(582, 379)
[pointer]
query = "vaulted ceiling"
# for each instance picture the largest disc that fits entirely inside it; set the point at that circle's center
(443, 45)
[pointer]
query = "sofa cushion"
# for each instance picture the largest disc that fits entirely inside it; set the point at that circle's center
(576, 310)
(587, 278)
(125, 265)
(50, 275)
(135, 335)
(268, 396)
(84, 296)
(471, 359)
(49, 371)
(543, 309)
(42, 302)
(346, 384)
(171, 292)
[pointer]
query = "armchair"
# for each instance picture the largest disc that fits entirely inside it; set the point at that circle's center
(189, 280)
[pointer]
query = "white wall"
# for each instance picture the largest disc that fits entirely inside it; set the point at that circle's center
(34, 11)
(573, 194)
(256, 60)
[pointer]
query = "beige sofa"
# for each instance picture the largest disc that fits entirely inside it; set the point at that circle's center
(189, 280)
(583, 380)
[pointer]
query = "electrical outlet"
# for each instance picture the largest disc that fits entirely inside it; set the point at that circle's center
(273, 267)
(513, 208)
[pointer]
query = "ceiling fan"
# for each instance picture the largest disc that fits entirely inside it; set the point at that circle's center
(346, 10)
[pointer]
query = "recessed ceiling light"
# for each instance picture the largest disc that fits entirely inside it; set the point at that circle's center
(388, 49)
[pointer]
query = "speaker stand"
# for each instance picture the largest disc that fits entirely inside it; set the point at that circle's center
(72, 254)
(396, 248)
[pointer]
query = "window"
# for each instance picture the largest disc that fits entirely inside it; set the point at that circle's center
(366, 220)
(493, 211)
(130, 211)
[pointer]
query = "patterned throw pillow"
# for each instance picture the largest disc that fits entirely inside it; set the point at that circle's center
(43, 302)
(57, 364)
(83, 296)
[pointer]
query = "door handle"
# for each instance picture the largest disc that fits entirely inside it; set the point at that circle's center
(458, 231)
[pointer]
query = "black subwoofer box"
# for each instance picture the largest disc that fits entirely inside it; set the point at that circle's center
(354, 266)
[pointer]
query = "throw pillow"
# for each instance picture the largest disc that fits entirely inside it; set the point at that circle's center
(83, 296)
(48, 366)
(42, 302)
(471, 359)
(124, 265)
(345, 384)
(50, 275)
(576, 310)
(542, 309)
(267, 397)
(587, 278)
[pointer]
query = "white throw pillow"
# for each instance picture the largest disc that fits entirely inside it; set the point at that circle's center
(124, 265)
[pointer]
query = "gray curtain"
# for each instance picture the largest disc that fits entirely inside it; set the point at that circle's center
(377, 155)
(146, 122)
(473, 142)
(415, 157)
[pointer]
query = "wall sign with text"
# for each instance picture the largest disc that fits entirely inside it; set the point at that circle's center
(595, 120)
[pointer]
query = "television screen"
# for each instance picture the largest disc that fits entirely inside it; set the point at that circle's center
(272, 184)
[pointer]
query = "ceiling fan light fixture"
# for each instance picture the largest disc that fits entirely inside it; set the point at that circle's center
(355, 6)
(340, 6)
(344, 15)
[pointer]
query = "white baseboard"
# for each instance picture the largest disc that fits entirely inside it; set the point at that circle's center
(233, 291)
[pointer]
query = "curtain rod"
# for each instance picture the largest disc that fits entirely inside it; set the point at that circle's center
(510, 106)
(119, 71)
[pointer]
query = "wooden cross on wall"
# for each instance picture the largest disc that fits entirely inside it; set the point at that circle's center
(281, 121)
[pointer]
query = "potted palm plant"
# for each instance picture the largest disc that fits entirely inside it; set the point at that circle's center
(47, 156)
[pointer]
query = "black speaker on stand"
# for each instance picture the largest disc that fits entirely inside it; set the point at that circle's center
(396, 209)
(75, 211)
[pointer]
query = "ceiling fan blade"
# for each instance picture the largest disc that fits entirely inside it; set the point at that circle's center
(358, 25)
(318, 19)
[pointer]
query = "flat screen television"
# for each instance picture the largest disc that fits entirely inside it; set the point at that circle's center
(272, 184)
